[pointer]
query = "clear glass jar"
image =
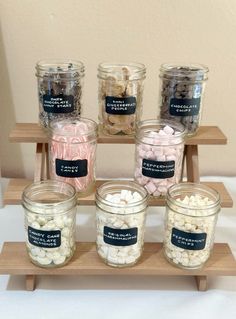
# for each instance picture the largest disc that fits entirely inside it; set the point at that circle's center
(120, 96)
(120, 217)
(158, 155)
(72, 153)
(50, 222)
(181, 94)
(190, 221)
(59, 89)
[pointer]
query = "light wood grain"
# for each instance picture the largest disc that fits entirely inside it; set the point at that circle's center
(14, 261)
(202, 282)
(13, 193)
(192, 165)
(33, 133)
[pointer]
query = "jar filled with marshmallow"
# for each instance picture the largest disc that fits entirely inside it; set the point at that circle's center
(72, 153)
(190, 221)
(50, 222)
(59, 89)
(120, 96)
(120, 217)
(181, 94)
(158, 155)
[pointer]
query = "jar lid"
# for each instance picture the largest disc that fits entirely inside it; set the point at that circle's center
(49, 197)
(194, 72)
(160, 132)
(121, 71)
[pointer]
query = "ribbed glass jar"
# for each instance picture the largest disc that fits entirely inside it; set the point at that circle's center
(190, 221)
(60, 85)
(181, 94)
(120, 96)
(120, 217)
(158, 155)
(72, 153)
(50, 222)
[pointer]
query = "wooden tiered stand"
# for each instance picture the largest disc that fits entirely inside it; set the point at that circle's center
(14, 260)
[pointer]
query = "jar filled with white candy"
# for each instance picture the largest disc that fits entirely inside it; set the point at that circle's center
(120, 218)
(50, 222)
(72, 153)
(158, 155)
(120, 96)
(191, 216)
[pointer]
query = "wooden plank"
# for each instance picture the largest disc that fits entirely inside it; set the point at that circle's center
(202, 282)
(33, 133)
(192, 166)
(14, 261)
(13, 193)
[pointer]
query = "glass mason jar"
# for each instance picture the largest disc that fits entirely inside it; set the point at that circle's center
(120, 95)
(190, 221)
(181, 94)
(120, 217)
(50, 222)
(158, 155)
(59, 89)
(72, 153)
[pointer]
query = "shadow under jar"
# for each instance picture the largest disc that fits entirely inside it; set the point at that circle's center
(190, 221)
(120, 96)
(72, 153)
(158, 155)
(50, 222)
(181, 94)
(120, 218)
(59, 89)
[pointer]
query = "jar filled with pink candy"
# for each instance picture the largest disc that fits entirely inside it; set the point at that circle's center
(159, 155)
(72, 153)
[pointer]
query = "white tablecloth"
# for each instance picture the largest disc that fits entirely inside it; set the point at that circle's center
(118, 297)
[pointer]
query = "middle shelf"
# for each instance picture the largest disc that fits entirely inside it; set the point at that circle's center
(15, 188)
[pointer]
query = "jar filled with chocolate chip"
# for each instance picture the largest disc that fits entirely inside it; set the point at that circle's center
(120, 95)
(50, 222)
(181, 94)
(59, 89)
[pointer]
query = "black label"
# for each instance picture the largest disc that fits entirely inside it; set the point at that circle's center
(44, 238)
(184, 107)
(120, 237)
(156, 169)
(120, 105)
(58, 103)
(190, 241)
(77, 168)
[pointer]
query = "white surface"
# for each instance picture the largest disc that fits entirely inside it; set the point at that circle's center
(118, 297)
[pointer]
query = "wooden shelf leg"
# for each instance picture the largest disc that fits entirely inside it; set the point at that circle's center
(202, 283)
(41, 162)
(30, 282)
(192, 163)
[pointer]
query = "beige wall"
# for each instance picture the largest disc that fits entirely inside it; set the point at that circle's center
(149, 31)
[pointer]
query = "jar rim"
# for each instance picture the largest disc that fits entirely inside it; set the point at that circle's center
(66, 66)
(180, 129)
(125, 184)
(137, 70)
(183, 70)
(36, 186)
(193, 188)
(52, 129)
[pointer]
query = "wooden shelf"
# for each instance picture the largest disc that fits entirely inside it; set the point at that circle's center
(14, 261)
(33, 133)
(13, 193)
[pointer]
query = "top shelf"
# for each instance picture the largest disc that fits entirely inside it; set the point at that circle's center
(33, 133)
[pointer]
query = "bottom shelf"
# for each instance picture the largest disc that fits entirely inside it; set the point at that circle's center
(14, 261)
(15, 187)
